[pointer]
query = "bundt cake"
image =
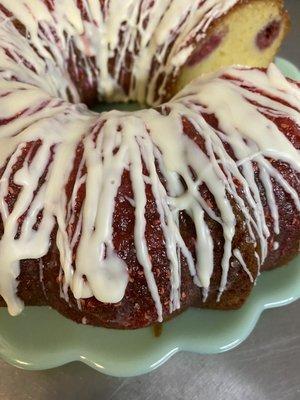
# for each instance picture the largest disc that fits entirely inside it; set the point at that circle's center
(123, 219)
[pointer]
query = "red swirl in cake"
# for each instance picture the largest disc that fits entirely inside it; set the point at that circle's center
(137, 215)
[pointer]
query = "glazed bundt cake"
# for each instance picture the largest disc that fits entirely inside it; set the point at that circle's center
(123, 219)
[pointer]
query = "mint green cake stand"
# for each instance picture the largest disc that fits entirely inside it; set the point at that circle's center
(40, 338)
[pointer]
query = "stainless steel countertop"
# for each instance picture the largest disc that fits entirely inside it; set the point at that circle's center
(265, 367)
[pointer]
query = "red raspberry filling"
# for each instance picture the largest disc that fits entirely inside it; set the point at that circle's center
(207, 46)
(266, 37)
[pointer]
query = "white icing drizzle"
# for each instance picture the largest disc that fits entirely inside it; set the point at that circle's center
(115, 142)
(149, 137)
(239, 257)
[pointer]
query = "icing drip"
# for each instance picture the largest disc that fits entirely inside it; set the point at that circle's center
(157, 151)
(239, 257)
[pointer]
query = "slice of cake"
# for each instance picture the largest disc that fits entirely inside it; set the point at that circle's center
(250, 34)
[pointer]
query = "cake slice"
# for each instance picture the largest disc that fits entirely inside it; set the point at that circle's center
(249, 34)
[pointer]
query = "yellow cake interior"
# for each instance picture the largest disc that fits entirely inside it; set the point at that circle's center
(239, 45)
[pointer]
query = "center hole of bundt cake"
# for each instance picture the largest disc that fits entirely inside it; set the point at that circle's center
(130, 106)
